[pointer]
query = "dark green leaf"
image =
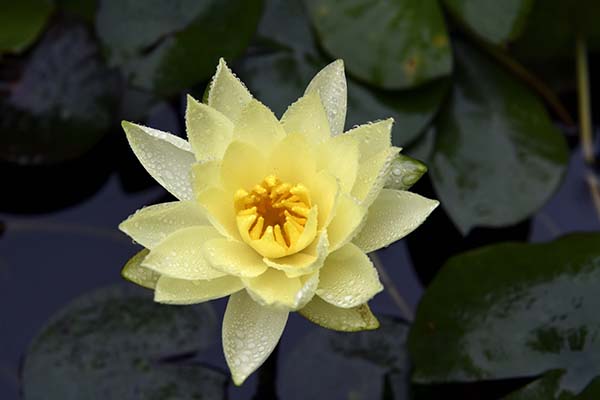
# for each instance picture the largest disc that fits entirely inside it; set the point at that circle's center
(552, 26)
(514, 310)
(390, 44)
(284, 23)
(497, 156)
(168, 46)
(335, 365)
(280, 79)
(21, 22)
(113, 344)
(493, 20)
(63, 102)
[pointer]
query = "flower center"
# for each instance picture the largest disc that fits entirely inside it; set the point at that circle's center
(273, 215)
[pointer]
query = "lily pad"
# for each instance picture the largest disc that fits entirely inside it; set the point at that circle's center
(389, 44)
(514, 310)
(497, 156)
(22, 22)
(116, 343)
(63, 102)
(358, 365)
(165, 47)
(495, 21)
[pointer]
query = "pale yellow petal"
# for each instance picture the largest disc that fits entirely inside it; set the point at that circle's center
(259, 126)
(372, 175)
(250, 333)
(372, 138)
(305, 261)
(150, 225)
(209, 132)
(308, 291)
(243, 166)
(340, 157)
(330, 84)
(220, 211)
(393, 215)
(234, 258)
(205, 175)
(348, 278)
(307, 117)
(227, 94)
(359, 318)
(134, 272)
(182, 292)
(180, 255)
(293, 160)
(274, 288)
(324, 192)
(166, 157)
(346, 223)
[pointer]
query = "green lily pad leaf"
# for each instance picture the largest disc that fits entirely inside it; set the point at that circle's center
(497, 156)
(514, 310)
(278, 79)
(63, 102)
(552, 27)
(22, 22)
(495, 21)
(285, 24)
(390, 44)
(348, 365)
(165, 47)
(116, 343)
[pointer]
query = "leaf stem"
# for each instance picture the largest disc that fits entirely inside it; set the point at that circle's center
(583, 94)
(391, 289)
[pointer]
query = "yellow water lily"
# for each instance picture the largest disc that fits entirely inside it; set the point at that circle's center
(278, 214)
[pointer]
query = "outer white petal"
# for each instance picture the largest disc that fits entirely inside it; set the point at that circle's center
(328, 316)
(372, 175)
(307, 117)
(166, 157)
(250, 333)
(348, 278)
(227, 94)
(180, 291)
(209, 131)
(393, 215)
(330, 84)
(150, 225)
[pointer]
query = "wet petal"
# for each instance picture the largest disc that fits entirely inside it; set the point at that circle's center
(243, 166)
(307, 117)
(328, 316)
(372, 174)
(166, 157)
(180, 255)
(259, 126)
(209, 132)
(134, 272)
(305, 261)
(341, 159)
(220, 211)
(372, 138)
(274, 288)
(181, 291)
(150, 225)
(347, 221)
(234, 258)
(205, 175)
(348, 278)
(393, 215)
(324, 192)
(227, 94)
(250, 333)
(293, 160)
(330, 84)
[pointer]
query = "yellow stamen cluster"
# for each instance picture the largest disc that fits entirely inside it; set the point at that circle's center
(280, 210)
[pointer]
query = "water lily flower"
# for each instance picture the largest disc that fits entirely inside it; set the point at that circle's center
(278, 214)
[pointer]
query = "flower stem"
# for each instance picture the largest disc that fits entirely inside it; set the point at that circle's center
(391, 289)
(267, 376)
(583, 94)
